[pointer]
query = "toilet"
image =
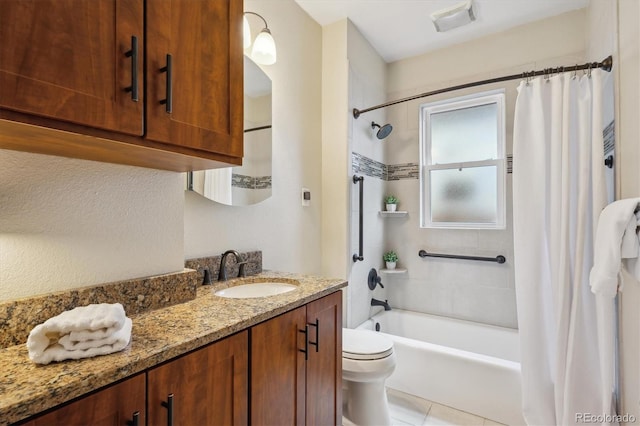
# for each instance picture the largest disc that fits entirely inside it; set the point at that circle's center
(367, 360)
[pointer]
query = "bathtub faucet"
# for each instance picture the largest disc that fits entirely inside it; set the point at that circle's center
(385, 304)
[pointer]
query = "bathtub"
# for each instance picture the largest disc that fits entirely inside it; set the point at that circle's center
(468, 366)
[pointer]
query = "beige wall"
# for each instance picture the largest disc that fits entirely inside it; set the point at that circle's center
(287, 233)
(535, 44)
(335, 158)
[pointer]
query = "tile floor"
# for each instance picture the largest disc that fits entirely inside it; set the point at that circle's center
(411, 410)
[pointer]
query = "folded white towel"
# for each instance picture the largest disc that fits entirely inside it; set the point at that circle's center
(615, 240)
(84, 335)
(43, 341)
(118, 338)
(57, 352)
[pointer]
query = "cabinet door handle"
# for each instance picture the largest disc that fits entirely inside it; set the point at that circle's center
(135, 421)
(133, 54)
(306, 342)
(168, 101)
(168, 404)
(317, 326)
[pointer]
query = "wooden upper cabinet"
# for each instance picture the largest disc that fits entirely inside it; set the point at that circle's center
(67, 71)
(67, 60)
(196, 101)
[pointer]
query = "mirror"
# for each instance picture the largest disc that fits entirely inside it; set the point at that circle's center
(250, 183)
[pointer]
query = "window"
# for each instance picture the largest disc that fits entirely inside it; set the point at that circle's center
(462, 156)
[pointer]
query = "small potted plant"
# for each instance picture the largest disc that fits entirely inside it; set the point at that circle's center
(391, 202)
(390, 258)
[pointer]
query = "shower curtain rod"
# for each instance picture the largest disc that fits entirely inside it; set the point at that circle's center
(606, 65)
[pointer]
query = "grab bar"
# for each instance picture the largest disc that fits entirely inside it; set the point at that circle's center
(498, 259)
(359, 255)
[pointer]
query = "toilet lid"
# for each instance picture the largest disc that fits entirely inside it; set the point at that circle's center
(365, 344)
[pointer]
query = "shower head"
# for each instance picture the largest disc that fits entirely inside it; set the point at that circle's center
(383, 131)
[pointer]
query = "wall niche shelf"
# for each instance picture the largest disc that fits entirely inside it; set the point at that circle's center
(384, 213)
(393, 271)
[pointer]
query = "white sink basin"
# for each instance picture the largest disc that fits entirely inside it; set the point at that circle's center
(260, 289)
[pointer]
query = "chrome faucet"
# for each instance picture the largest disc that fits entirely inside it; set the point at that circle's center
(222, 275)
(385, 304)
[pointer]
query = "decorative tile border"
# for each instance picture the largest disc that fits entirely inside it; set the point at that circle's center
(253, 267)
(250, 182)
(609, 135)
(402, 171)
(18, 317)
(368, 167)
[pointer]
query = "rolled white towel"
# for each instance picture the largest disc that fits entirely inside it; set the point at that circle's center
(81, 319)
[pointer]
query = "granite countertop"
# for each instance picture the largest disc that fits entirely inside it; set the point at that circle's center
(160, 335)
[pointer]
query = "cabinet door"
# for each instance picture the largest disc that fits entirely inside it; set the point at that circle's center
(278, 370)
(114, 405)
(205, 387)
(66, 59)
(324, 367)
(197, 100)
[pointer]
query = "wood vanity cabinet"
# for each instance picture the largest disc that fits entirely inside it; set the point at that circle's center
(286, 388)
(206, 387)
(113, 405)
(259, 376)
(154, 83)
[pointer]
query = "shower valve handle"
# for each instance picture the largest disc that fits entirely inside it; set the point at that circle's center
(374, 279)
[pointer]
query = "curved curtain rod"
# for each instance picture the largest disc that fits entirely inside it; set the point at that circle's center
(606, 65)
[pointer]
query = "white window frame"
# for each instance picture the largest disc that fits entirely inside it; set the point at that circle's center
(426, 110)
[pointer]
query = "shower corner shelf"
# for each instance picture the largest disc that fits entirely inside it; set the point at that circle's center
(393, 271)
(392, 214)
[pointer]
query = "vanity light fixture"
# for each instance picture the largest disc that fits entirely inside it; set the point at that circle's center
(264, 47)
(454, 17)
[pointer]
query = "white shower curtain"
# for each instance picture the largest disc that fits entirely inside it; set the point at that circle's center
(558, 193)
(217, 185)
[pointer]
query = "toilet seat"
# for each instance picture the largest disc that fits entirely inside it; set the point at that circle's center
(365, 345)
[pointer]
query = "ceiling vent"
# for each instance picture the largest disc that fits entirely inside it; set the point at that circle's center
(454, 17)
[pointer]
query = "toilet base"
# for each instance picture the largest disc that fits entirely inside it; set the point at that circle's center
(366, 404)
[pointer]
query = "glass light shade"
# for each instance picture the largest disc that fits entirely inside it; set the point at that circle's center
(246, 32)
(264, 48)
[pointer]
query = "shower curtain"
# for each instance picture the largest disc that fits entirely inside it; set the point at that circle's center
(217, 185)
(558, 193)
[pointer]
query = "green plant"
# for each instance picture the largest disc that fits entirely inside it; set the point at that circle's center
(390, 199)
(390, 256)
